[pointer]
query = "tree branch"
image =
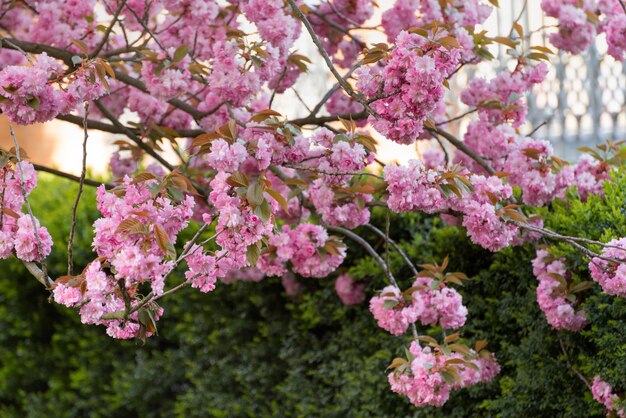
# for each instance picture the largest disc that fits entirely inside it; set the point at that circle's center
(59, 173)
(81, 182)
(344, 84)
(133, 136)
(462, 147)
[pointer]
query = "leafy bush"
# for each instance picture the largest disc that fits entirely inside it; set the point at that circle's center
(249, 350)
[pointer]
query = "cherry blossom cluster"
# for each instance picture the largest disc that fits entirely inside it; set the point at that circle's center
(17, 229)
(603, 393)
(27, 95)
(418, 188)
(349, 291)
(576, 30)
(579, 21)
(427, 301)
(553, 295)
(609, 270)
(408, 88)
(431, 373)
(307, 248)
(134, 241)
(458, 16)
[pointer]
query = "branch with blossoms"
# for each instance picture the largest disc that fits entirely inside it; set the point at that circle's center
(156, 76)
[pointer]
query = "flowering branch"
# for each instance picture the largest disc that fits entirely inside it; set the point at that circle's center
(44, 267)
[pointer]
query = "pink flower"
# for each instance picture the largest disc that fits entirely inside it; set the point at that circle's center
(349, 291)
(553, 296)
(611, 276)
(392, 312)
(603, 393)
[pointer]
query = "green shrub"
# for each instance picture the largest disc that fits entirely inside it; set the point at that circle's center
(247, 349)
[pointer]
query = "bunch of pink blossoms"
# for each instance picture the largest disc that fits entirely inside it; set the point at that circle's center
(500, 100)
(427, 302)
(17, 231)
(553, 295)
(431, 374)
(165, 82)
(530, 167)
(589, 176)
(121, 167)
(615, 28)
(414, 187)
(482, 216)
(576, 31)
(458, 16)
(349, 291)
(307, 247)
(603, 393)
(340, 206)
(27, 96)
(135, 243)
(580, 20)
(438, 304)
(393, 311)
(611, 275)
(410, 83)
(238, 228)
(417, 188)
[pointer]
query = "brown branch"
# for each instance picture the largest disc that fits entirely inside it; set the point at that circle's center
(320, 120)
(462, 147)
(461, 116)
(88, 182)
(569, 364)
(344, 84)
(81, 182)
(105, 127)
(108, 31)
(133, 136)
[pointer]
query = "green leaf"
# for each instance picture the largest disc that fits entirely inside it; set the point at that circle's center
(254, 194)
(390, 304)
(34, 103)
(279, 199)
(252, 254)
(180, 53)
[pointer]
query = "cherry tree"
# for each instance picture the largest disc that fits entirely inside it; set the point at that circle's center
(274, 196)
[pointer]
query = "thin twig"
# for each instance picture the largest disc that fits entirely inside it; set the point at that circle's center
(395, 245)
(462, 147)
(348, 89)
(83, 174)
(59, 173)
(443, 148)
(537, 128)
(337, 173)
(109, 29)
(569, 364)
(354, 237)
(333, 89)
(461, 116)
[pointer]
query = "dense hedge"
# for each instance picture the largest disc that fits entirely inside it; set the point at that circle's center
(248, 350)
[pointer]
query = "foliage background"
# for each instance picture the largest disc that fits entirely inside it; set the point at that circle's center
(246, 349)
